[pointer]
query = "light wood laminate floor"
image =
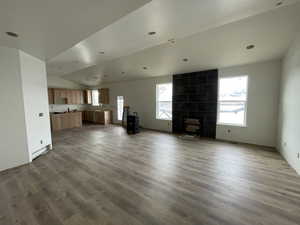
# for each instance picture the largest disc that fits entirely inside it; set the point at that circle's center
(102, 176)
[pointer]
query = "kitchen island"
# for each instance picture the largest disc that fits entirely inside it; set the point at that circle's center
(65, 120)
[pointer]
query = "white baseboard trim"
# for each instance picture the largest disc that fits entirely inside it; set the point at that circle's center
(39, 152)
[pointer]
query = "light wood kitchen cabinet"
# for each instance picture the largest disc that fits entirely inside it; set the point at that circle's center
(99, 117)
(81, 97)
(66, 120)
(65, 96)
(60, 96)
(104, 96)
(88, 116)
(76, 96)
(103, 117)
(88, 97)
(73, 97)
(69, 97)
(56, 122)
(76, 119)
(50, 96)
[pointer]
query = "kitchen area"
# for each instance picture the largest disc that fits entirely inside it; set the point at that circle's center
(71, 108)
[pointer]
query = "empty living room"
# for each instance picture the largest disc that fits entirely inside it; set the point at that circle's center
(150, 112)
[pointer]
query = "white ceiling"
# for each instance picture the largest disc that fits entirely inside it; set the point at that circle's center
(271, 33)
(169, 18)
(69, 34)
(49, 27)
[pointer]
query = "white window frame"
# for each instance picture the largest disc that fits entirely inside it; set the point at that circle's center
(118, 108)
(93, 103)
(245, 102)
(157, 105)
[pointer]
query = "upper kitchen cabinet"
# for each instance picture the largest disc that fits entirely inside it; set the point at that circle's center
(104, 96)
(60, 96)
(66, 96)
(50, 96)
(87, 97)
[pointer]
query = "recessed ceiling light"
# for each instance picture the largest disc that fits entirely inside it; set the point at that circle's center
(145, 68)
(185, 60)
(152, 33)
(279, 3)
(123, 73)
(249, 47)
(12, 34)
(172, 41)
(102, 53)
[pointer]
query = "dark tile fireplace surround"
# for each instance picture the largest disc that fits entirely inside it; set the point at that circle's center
(195, 96)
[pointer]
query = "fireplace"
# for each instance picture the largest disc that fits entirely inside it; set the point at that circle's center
(195, 97)
(192, 126)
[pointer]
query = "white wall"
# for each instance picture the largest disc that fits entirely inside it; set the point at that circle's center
(13, 142)
(289, 110)
(35, 94)
(262, 112)
(23, 95)
(140, 95)
(58, 82)
(263, 94)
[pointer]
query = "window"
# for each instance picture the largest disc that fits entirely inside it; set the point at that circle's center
(232, 104)
(164, 101)
(120, 103)
(95, 97)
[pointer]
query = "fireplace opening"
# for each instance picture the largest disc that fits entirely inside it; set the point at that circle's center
(192, 126)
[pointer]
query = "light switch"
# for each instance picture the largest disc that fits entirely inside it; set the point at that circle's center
(41, 114)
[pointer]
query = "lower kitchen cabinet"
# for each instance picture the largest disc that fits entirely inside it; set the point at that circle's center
(99, 117)
(63, 121)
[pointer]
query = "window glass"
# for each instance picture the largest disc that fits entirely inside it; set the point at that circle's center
(95, 97)
(233, 89)
(232, 104)
(120, 103)
(164, 101)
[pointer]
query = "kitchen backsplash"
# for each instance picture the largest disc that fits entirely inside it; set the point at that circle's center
(100, 107)
(64, 108)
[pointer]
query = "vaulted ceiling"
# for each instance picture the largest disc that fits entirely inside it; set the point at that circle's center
(95, 41)
(46, 28)
(271, 33)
